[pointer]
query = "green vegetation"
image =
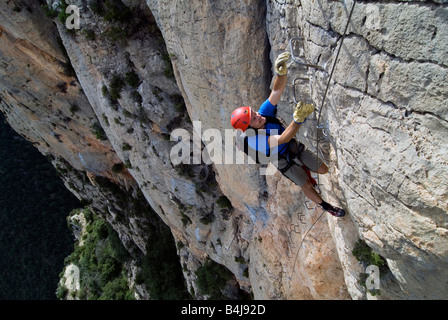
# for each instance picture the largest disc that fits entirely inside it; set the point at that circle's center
(62, 14)
(185, 219)
(179, 104)
(117, 121)
(212, 278)
(126, 146)
(118, 167)
(105, 91)
(123, 19)
(367, 256)
(240, 260)
(116, 34)
(116, 11)
(105, 119)
(224, 203)
(127, 114)
(98, 131)
(132, 79)
(364, 253)
(89, 34)
(115, 86)
(73, 108)
(168, 71)
(160, 269)
(100, 260)
(34, 203)
(49, 12)
(58, 11)
(207, 219)
(96, 8)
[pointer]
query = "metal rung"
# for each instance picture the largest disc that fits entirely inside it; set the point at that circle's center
(296, 59)
(294, 86)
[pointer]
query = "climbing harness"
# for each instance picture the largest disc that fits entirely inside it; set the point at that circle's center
(319, 126)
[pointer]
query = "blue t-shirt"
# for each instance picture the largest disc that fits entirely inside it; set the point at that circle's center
(260, 142)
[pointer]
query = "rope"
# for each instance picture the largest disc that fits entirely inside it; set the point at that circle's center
(329, 80)
(303, 239)
(318, 121)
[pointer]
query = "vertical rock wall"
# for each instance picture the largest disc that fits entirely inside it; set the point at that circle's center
(386, 117)
(158, 65)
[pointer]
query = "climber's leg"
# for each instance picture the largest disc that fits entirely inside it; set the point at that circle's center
(323, 169)
(311, 193)
(298, 175)
(313, 162)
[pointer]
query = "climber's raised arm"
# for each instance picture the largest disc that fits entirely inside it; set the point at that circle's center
(280, 80)
(301, 111)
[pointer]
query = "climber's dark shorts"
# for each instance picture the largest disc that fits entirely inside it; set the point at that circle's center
(295, 172)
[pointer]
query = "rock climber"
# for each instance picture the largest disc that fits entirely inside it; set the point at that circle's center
(294, 160)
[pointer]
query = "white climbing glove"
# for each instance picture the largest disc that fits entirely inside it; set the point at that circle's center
(301, 111)
(280, 64)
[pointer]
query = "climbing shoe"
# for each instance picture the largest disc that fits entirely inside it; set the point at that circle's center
(336, 212)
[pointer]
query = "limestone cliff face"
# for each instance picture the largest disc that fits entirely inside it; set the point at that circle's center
(168, 64)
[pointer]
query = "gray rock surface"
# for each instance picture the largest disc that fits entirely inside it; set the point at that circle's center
(196, 61)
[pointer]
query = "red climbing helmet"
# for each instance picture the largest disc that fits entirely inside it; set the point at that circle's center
(240, 118)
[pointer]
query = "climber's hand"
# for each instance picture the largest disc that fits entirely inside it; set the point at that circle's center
(280, 64)
(301, 111)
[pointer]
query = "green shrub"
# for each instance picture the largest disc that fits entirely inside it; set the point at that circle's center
(367, 256)
(132, 79)
(126, 146)
(212, 278)
(115, 86)
(117, 11)
(240, 260)
(105, 91)
(98, 131)
(61, 292)
(101, 263)
(49, 12)
(118, 167)
(105, 119)
(117, 121)
(117, 289)
(96, 7)
(62, 14)
(73, 108)
(89, 34)
(137, 96)
(224, 203)
(207, 219)
(127, 114)
(364, 253)
(116, 34)
(160, 269)
(185, 219)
